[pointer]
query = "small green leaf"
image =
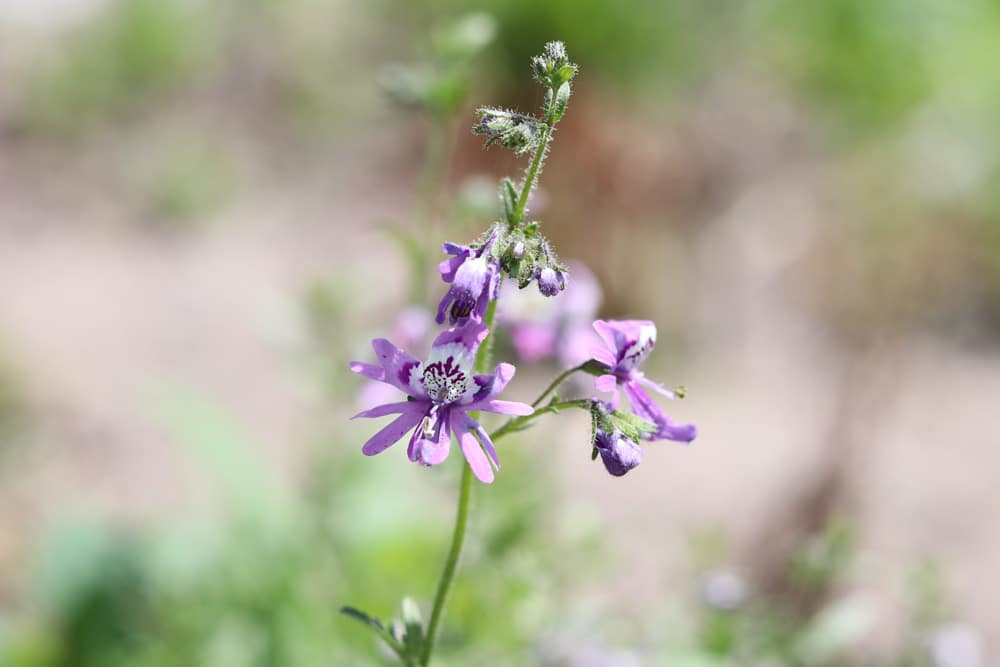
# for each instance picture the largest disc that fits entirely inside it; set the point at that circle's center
(564, 74)
(510, 196)
(595, 367)
(562, 99)
(593, 454)
(361, 616)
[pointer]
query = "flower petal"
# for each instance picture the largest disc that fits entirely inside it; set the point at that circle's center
(368, 370)
(657, 387)
(392, 408)
(432, 451)
(671, 430)
(484, 439)
(473, 451)
(606, 383)
(630, 340)
(470, 335)
(389, 435)
(667, 428)
(487, 386)
(448, 267)
(397, 364)
(446, 300)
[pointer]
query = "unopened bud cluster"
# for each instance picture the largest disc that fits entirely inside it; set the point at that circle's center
(553, 67)
(516, 131)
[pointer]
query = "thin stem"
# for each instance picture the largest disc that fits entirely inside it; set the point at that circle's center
(451, 564)
(483, 355)
(555, 383)
(515, 423)
(532, 175)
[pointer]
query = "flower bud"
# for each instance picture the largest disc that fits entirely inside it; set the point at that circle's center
(618, 453)
(513, 130)
(550, 281)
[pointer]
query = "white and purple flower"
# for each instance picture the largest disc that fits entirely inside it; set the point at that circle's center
(474, 274)
(628, 344)
(440, 393)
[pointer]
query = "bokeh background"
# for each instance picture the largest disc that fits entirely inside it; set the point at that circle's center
(208, 208)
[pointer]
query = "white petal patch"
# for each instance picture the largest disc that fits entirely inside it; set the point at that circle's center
(637, 352)
(447, 373)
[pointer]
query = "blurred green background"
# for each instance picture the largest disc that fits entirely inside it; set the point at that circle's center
(208, 208)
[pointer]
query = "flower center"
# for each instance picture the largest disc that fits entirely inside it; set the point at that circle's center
(444, 380)
(635, 354)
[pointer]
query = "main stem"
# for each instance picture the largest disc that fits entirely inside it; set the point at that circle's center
(536, 161)
(458, 536)
(461, 514)
(532, 175)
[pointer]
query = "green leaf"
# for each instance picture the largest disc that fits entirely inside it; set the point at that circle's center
(595, 367)
(362, 617)
(564, 74)
(510, 196)
(387, 635)
(562, 99)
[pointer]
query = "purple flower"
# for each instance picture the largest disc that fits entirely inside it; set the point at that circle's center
(618, 453)
(628, 343)
(440, 393)
(474, 275)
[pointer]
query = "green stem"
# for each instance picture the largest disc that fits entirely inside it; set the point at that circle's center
(462, 513)
(532, 175)
(515, 423)
(461, 521)
(555, 383)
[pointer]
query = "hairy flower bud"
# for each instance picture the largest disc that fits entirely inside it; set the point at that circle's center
(553, 67)
(517, 131)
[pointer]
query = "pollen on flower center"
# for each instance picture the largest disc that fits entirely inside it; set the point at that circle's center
(445, 381)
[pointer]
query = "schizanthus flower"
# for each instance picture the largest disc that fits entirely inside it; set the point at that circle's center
(628, 344)
(474, 274)
(440, 393)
